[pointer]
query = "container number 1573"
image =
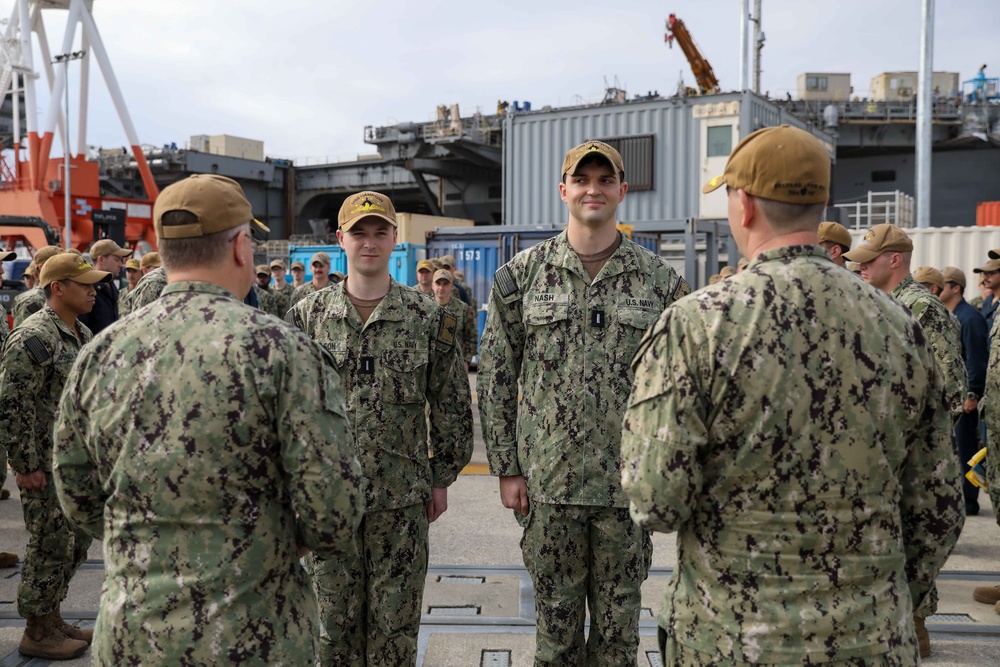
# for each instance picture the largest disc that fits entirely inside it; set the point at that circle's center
(472, 255)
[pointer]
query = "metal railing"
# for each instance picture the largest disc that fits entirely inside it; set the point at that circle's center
(896, 208)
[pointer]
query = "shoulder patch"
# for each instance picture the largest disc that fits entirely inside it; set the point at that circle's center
(37, 350)
(446, 331)
(504, 281)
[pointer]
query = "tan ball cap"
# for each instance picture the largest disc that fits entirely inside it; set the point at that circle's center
(880, 239)
(106, 247)
(338, 275)
(7, 256)
(995, 254)
(443, 274)
(447, 261)
(780, 163)
(151, 260)
(425, 265)
(277, 264)
(48, 252)
(68, 266)
(367, 204)
(320, 258)
(132, 264)
(577, 154)
(834, 232)
(217, 202)
(928, 274)
(727, 272)
(989, 267)
(263, 270)
(298, 265)
(955, 275)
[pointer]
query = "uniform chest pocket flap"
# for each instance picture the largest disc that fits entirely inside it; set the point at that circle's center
(637, 318)
(547, 329)
(404, 375)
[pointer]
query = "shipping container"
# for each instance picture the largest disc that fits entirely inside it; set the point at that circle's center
(402, 262)
(988, 214)
(413, 227)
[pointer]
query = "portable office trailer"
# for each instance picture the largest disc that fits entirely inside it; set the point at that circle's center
(670, 148)
(402, 261)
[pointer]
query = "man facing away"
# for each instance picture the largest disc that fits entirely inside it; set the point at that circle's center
(836, 240)
(397, 355)
(206, 444)
(565, 318)
(788, 423)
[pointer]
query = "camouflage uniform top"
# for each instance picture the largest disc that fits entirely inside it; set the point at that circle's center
(37, 357)
(147, 290)
(569, 344)
(268, 301)
(788, 422)
(202, 440)
(124, 302)
(283, 292)
(990, 408)
(304, 290)
(401, 359)
(4, 326)
(27, 303)
(468, 331)
(944, 333)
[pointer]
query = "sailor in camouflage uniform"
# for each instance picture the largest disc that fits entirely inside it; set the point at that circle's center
(565, 317)
(320, 265)
(133, 273)
(281, 288)
(207, 444)
(267, 300)
(36, 360)
(468, 332)
(395, 350)
(147, 290)
(788, 423)
(34, 299)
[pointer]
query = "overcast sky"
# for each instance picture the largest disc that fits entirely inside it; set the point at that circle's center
(307, 77)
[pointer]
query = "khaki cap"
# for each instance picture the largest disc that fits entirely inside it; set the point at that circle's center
(68, 266)
(443, 274)
(853, 267)
(727, 271)
(367, 204)
(834, 232)
(337, 275)
(263, 270)
(780, 163)
(928, 274)
(989, 267)
(277, 264)
(132, 264)
(995, 253)
(31, 269)
(576, 155)
(953, 274)
(7, 256)
(47, 253)
(425, 265)
(106, 247)
(298, 265)
(437, 263)
(880, 239)
(447, 261)
(714, 279)
(217, 202)
(743, 263)
(321, 258)
(151, 260)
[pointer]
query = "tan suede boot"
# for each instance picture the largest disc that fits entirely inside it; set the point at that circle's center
(41, 639)
(72, 631)
(987, 594)
(8, 559)
(923, 637)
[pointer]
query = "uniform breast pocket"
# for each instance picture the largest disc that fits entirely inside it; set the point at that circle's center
(547, 329)
(404, 376)
(633, 324)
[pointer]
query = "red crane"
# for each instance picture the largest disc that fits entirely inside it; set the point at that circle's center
(707, 83)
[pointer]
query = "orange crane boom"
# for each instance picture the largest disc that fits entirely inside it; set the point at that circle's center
(707, 83)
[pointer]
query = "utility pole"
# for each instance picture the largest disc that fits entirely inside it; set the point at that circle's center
(924, 115)
(744, 59)
(758, 44)
(64, 59)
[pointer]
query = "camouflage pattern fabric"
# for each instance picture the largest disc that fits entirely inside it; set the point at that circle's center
(147, 290)
(37, 358)
(370, 604)
(471, 298)
(990, 411)
(268, 301)
(569, 343)
(4, 326)
(676, 654)
(803, 451)
(401, 360)
(468, 331)
(304, 290)
(203, 440)
(124, 302)
(561, 557)
(27, 303)
(944, 333)
(283, 292)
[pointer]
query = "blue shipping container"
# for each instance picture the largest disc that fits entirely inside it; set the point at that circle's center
(402, 262)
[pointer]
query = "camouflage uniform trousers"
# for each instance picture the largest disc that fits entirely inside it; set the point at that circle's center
(370, 604)
(675, 654)
(55, 551)
(579, 557)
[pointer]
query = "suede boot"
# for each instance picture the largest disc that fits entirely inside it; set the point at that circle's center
(72, 631)
(8, 559)
(923, 637)
(42, 639)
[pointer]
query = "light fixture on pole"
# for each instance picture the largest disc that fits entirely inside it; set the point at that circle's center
(64, 59)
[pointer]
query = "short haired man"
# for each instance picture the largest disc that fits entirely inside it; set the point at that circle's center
(133, 272)
(990, 280)
(565, 318)
(30, 275)
(337, 277)
(150, 261)
(467, 330)
(320, 265)
(207, 442)
(787, 422)
(281, 288)
(34, 299)
(147, 290)
(930, 278)
(975, 349)
(461, 288)
(395, 351)
(836, 240)
(37, 357)
(884, 255)
(106, 256)
(267, 300)
(425, 277)
(298, 270)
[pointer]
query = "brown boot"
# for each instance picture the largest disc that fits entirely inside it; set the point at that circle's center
(923, 637)
(8, 559)
(4, 494)
(41, 639)
(987, 594)
(72, 631)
